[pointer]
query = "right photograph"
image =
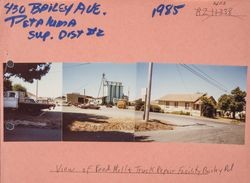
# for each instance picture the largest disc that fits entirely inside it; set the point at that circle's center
(190, 103)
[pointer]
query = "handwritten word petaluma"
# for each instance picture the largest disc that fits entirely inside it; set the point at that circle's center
(169, 9)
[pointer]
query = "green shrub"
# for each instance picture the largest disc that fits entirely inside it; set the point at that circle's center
(153, 108)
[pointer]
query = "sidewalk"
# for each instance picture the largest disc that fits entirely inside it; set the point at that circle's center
(217, 120)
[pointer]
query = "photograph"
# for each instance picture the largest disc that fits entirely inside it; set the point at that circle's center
(31, 108)
(192, 103)
(99, 101)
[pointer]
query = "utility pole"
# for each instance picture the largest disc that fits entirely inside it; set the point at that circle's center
(128, 92)
(36, 89)
(145, 99)
(148, 93)
(84, 96)
(103, 80)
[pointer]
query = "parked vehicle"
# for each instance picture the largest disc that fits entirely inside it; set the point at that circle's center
(63, 103)
(17, 100)
(122, 104)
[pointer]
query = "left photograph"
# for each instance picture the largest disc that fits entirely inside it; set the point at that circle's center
(32, 101)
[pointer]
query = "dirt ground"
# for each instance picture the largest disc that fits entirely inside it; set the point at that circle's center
(91, 127)
(94, 123)
(51, 120)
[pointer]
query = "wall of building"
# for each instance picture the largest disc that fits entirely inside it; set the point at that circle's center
(181, 107)
(74, 98)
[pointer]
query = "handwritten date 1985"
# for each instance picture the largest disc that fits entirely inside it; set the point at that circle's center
(169, 9)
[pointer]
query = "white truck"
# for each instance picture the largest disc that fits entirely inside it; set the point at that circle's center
(17, 100)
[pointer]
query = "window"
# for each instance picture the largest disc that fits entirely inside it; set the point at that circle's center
(186, 105)
(197, 107)
(176, 104)
(167, 104)
(12, 94)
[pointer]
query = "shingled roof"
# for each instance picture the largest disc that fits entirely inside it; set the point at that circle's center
(182, 97)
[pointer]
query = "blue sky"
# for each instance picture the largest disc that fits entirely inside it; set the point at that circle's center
(79, 76)
(174, 78)
(167, 78)
(65, 78)
(50, 85)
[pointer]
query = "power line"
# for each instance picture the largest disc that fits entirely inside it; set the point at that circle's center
(182, 80)
(197, 68)
(203, 77)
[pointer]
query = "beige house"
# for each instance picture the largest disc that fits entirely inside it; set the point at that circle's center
(190, 103)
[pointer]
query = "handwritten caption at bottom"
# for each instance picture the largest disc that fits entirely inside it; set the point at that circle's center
(156, 170)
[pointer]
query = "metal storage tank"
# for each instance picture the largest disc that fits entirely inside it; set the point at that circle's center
(114, 91)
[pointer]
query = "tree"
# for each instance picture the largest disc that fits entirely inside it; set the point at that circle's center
(27, 71)
(238, 101)
(7, 85)
(208, 107)
(19, 87)
(234, 102)
(224, 102)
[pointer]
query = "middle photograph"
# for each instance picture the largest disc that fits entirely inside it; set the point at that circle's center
(98, 102)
